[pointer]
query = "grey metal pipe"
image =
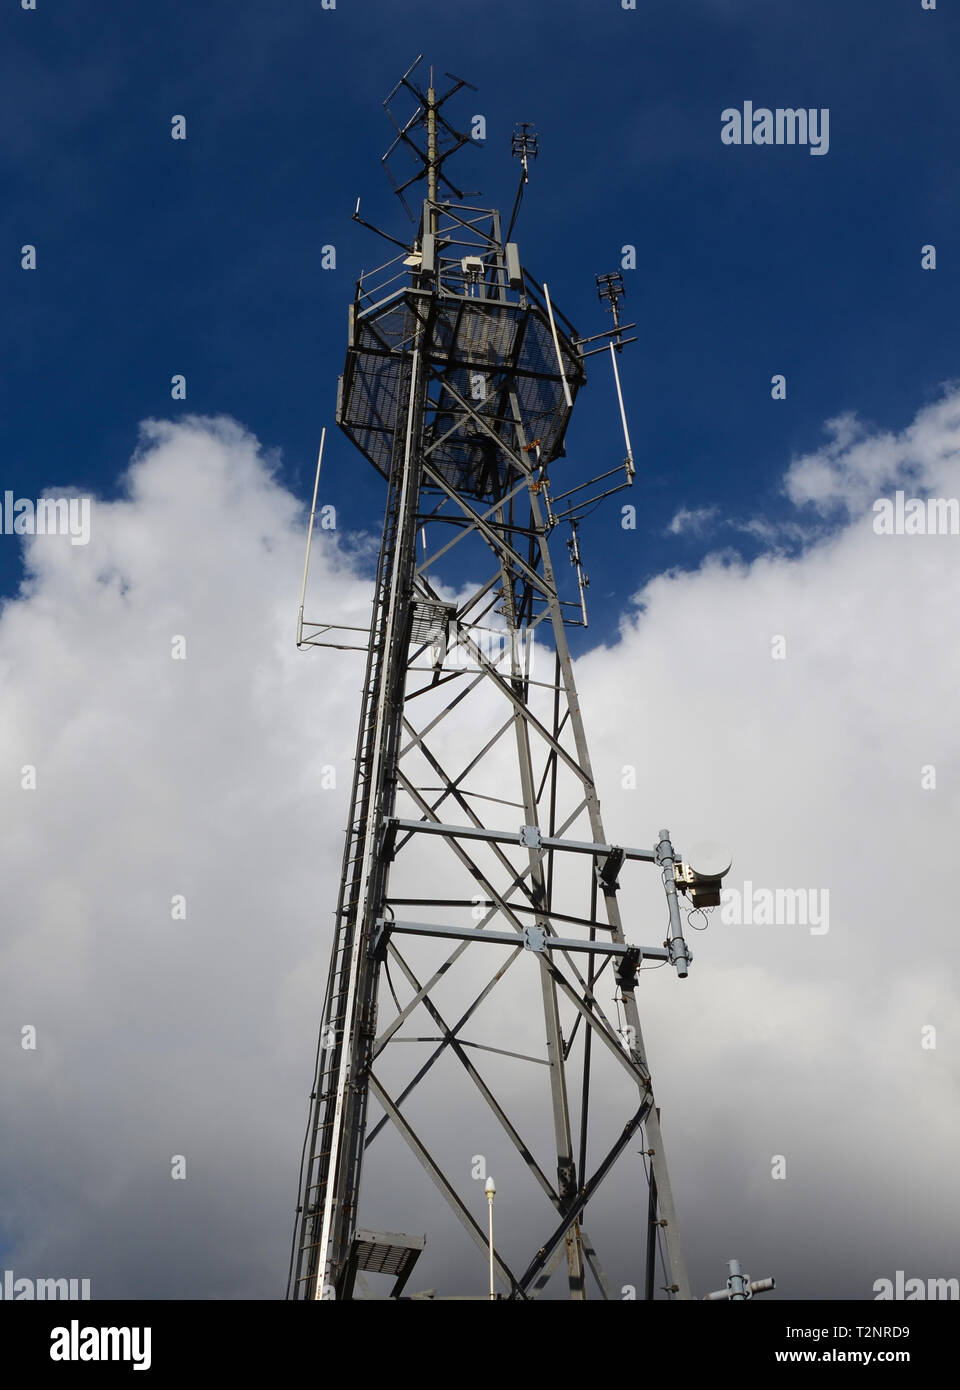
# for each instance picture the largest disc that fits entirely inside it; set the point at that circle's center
(679, 954)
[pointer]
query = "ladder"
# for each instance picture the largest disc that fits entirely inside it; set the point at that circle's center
(343, 1015)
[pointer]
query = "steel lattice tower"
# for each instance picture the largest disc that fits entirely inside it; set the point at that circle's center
(459, 382)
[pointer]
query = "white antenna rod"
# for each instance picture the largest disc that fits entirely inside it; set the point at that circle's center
(306, 558)
(423, 542)
(556, 346)
(490, 1188)
(623, 416)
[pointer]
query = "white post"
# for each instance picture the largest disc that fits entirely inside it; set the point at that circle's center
(623, 417)
(556, 346)
(306, 558)
(490, 1189)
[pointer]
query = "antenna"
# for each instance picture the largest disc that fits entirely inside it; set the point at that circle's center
(610, 291)
(556, 345)
(524, 145)
(628, 461)
(583, 583)
(306, 558)
(438, 140)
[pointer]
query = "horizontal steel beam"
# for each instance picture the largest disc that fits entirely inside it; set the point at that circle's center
(514, 837)
(511, 938)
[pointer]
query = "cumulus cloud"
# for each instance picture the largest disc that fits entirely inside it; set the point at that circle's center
(158, 777)
(856, 465)
(693, 520)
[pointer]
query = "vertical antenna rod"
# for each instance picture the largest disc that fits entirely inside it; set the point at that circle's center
(631, 468)
(432, 166)
(306, 558)
(556, 346)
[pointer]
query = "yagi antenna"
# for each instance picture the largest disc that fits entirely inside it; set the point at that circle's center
(427, 136)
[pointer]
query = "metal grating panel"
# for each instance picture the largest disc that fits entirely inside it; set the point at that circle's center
(486, 350)
(427, 617)
(382, 1252)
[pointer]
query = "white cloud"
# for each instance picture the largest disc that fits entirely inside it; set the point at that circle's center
(694, 520)
(856, 466)
(156, 777)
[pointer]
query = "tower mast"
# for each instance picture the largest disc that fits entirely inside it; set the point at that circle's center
(459, 383)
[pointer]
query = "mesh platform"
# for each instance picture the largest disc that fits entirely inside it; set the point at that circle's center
(485, 350)
(383, 1252)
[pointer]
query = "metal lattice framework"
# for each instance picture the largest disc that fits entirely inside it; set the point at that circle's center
(475, 851)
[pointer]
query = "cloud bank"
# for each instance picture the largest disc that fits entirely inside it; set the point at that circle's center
(800, 708)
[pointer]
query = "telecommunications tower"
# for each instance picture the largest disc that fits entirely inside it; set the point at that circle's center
(478, 945)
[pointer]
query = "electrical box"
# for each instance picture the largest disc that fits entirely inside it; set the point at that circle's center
(428, 253)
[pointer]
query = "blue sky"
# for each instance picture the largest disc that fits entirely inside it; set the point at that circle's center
(159, 778)
(203, 256)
